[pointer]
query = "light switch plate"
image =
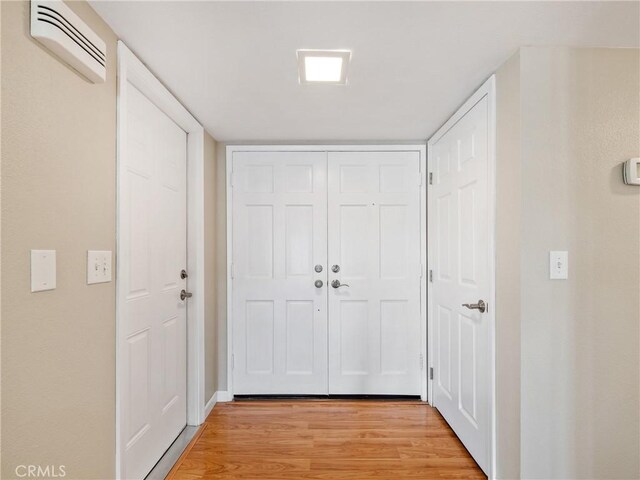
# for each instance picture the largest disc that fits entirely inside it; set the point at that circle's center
(558, 265)
(43, 270)
(98, 266)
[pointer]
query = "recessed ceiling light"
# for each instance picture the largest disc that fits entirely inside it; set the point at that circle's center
(323, 66)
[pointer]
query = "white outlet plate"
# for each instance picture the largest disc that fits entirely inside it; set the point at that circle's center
(43, 270)
(558, 265)
(98, 266)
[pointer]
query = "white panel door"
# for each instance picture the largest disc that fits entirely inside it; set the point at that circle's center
(460, 201)
(279, 236)
(374, 240)
(152, 336)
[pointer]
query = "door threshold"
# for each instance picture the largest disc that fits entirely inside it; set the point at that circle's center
(393, 398)
(173, 453)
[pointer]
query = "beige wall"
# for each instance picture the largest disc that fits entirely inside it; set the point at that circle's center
(580, 338)
(210, 260)
(221, 262)
(560, 150)
(508, 225)
(58, 192)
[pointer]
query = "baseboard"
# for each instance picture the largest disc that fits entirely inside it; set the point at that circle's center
(223, 396)
(210, 404)
(220, 396)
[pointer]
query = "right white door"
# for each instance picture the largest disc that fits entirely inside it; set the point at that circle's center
(461, 269)
(374, 249)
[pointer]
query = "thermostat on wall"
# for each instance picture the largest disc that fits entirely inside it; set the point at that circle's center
(631, 171)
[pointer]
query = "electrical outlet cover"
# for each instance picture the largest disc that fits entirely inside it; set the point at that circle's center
(43, 270)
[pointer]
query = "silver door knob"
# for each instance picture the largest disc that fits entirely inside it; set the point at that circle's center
(319, 283)
(184, 295)
(476, 306)
(337, 284)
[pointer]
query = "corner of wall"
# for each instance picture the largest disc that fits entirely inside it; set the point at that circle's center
(508, 216)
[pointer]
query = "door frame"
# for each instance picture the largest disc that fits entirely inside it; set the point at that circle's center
(396, 147)
(132, 71)
(488, 89)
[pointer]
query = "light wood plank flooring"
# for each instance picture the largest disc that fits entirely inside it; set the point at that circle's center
(325, 439)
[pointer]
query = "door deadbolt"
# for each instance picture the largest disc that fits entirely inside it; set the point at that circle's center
(183, 274)
(318, 268)
(335, 268)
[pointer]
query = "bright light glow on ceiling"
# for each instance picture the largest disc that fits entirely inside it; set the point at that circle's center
(323, 69)
(323, 66)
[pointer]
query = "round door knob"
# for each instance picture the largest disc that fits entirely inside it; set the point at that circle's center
(319, 284)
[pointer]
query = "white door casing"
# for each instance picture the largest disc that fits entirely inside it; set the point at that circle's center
(461, 250)
(153, 334)
(279, 235)
(159, 343)
(374, 239)
(260, 192)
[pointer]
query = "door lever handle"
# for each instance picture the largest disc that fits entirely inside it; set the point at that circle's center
(184, 295)
(476, 306)
(337, 284)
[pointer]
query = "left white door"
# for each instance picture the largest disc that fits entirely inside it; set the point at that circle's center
(153, 250)
(279, 244)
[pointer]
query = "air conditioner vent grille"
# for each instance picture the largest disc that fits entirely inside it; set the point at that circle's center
(49, 15)
(57, 27)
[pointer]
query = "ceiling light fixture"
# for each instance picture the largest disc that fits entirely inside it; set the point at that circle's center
(323, 66)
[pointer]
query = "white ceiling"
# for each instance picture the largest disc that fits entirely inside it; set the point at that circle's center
(233, 64)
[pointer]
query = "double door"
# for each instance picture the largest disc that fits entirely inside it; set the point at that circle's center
(326, 273)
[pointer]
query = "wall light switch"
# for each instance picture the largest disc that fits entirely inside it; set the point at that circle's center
(43, 270)
(98, 266)
(558, 265)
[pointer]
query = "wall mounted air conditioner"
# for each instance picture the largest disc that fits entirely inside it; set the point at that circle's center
(60, 30)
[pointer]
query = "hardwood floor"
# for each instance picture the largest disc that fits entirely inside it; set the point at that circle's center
(325, 439)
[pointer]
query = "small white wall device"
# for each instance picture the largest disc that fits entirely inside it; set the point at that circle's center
(631, 171)
(60, 30)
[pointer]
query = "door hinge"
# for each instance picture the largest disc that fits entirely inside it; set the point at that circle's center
(430, 178)
(431, 276)
(430, 373)
(233, 271)
(421, 362)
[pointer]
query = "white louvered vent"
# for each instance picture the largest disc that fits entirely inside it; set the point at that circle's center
(59, 29)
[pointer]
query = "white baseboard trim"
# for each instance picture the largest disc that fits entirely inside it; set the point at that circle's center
(210, 404)
(220, 396)
(223, 396)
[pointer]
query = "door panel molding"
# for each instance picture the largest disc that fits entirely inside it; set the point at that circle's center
(391, 184)
(439, 231)
(132, 74)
